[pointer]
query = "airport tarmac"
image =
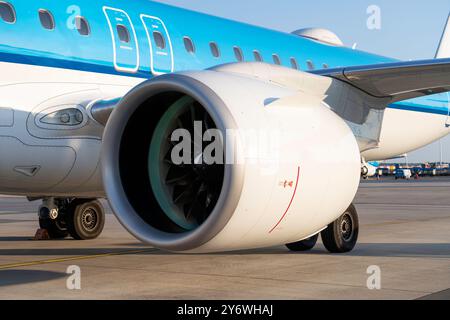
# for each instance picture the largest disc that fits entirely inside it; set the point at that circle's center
(405, 231)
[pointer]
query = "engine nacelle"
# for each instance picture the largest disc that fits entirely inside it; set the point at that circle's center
(291, 165)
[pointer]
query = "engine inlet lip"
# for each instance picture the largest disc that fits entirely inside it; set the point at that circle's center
(233, 175)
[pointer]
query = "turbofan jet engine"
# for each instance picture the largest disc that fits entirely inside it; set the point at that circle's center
(285, 164)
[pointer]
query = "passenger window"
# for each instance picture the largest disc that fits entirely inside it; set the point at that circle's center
(46, 19)
(276, 59)
(238, 54)
(294, 63)
(7, 12)
(82, 26)
(189, 45)
(124, 34)
(310, 65)
(214, 49)
(159, 40)
(257, 56)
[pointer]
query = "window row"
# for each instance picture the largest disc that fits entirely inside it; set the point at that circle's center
(189, 46)
(239, 55)
(8, 15)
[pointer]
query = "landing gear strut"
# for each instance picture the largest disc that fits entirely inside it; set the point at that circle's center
(340, 236)
(83, 219)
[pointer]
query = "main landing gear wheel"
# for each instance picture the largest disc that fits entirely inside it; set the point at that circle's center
(85, 219)
(341, 235)
(304, 245)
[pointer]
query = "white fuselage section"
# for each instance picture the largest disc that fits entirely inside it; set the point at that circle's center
(50, 159)
(404, 131)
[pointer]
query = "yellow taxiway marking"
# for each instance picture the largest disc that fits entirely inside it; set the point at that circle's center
(48, 261)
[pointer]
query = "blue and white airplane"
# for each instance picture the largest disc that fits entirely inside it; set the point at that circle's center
(92, 93)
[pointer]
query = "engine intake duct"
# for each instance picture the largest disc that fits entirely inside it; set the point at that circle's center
(175, 205)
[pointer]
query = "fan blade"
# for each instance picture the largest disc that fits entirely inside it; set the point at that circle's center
(183, 197)
(177, 174)
(196, 203)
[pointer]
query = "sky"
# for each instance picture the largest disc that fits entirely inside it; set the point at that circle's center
(408, 29)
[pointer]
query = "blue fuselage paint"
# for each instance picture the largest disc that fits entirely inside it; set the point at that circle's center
(102, 51)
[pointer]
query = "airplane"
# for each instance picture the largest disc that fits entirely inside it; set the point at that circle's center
(92, 93)
(369, 169)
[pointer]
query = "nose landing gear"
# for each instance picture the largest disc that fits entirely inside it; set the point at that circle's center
(82, 219)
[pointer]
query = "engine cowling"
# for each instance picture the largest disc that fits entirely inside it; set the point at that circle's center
(291, 165)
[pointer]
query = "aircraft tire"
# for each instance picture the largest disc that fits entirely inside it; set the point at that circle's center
(304, 245)
(341, 236)
(85, 219)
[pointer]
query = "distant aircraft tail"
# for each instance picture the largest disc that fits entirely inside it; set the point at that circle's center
(444, 46)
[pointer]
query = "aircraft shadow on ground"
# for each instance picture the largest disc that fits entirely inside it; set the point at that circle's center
(17, 277)
(401, 250)
(14, 239)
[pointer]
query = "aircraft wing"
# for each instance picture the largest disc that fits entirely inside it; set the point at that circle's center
(397, 81)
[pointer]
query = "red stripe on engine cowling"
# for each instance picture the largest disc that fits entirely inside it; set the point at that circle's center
(290, 203)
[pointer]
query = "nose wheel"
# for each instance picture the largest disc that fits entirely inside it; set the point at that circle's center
(82, 219)
(85, 219)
